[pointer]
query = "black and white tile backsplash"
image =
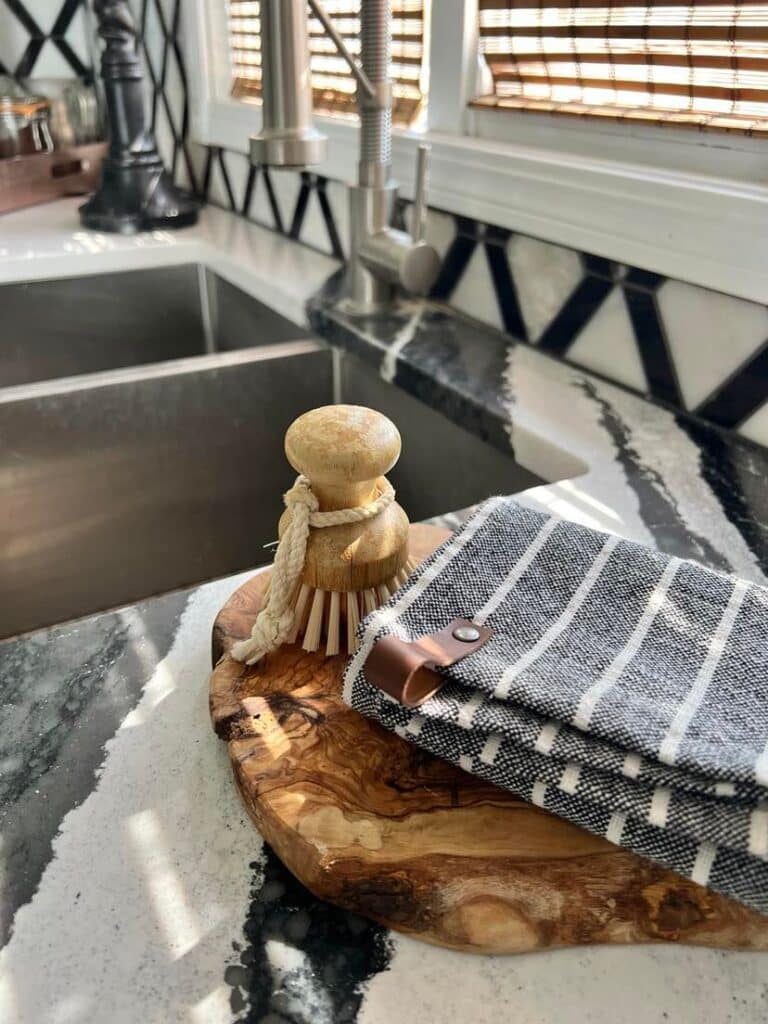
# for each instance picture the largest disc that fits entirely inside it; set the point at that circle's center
(690, 347)
(45, 39)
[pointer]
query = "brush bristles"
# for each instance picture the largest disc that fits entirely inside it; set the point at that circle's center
(322, 615)
(332, 628)
(314, 628)
(353, 621)
(300, 612)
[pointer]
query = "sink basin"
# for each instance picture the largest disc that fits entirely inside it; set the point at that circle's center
(53, 329)
(158, 461)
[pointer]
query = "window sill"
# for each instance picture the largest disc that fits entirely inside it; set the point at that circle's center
(705, 229)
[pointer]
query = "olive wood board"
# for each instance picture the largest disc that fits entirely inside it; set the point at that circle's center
(368, 821)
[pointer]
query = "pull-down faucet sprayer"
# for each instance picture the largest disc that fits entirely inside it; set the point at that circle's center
(381, 258)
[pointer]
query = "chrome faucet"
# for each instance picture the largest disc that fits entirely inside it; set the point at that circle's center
(381, 258)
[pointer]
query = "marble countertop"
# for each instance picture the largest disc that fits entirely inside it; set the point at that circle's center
(135, 889)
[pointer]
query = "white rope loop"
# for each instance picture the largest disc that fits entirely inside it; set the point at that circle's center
(274, 622)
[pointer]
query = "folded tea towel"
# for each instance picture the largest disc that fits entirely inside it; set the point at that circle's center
(622, 689)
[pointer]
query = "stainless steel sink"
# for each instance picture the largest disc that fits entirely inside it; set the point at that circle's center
(122, 480)
(53, 329)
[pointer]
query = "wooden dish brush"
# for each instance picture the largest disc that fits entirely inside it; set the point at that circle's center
(343, 548)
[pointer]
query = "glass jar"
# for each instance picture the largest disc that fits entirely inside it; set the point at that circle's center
(24, 126)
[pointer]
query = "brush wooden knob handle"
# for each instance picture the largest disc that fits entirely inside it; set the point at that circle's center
(343, 450)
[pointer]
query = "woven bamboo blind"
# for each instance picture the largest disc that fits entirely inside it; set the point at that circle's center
(703, 64)
(333, 84)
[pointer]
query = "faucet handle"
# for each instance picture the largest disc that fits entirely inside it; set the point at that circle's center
(419, 217)
(401, 258)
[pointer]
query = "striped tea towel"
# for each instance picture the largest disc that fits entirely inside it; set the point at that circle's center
(622, 689)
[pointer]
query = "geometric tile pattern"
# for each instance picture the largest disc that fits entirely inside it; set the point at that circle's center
(287, 217)
(742, 395)
(159, 23)
(583, 308)
(36, 32)
(689, 348)
(729, 331)
(474, 294)
(606, 344)
(545, 275)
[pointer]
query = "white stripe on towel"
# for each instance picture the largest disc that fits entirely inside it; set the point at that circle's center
(539, 793)
(516, 572)
(468, 708)
(491, 748)
(546, 738)
(761, 768)
(616, 827)
(386, 616)
(560, 625)
(758, 831)
(569, 780)
(761, 764)
(670, 745)
(631, 766)
(601, 686)
(415, 725)
(657, 814)
(702, 866)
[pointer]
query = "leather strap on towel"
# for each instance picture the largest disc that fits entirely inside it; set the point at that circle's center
(405, 670)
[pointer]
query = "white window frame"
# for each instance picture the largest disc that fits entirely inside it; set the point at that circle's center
(687, 204)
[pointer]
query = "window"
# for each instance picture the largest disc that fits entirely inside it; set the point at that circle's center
(334, 86)
(701, 64)
(628, 179)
